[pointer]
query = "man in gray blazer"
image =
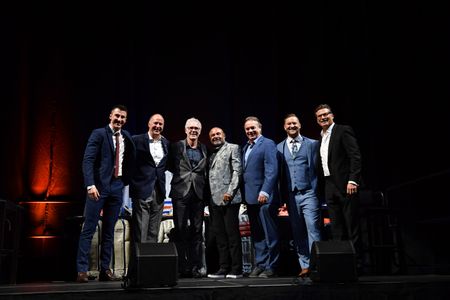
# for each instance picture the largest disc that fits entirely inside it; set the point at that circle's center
(187, 162)
(224, 173)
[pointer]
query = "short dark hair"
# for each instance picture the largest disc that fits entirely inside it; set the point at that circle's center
(322, 106)
(119, 106)
(291, 115)
(253, 118)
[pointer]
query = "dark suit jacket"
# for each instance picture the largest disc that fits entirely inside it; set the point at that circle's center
(344, 157)
(98, 161)
(146, 173)
(260, 172)
(184, 175)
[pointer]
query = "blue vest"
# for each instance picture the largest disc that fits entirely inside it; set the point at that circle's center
(298, 169)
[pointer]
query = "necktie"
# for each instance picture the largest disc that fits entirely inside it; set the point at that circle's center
(247, 152)
(294, 147)
(116, 166)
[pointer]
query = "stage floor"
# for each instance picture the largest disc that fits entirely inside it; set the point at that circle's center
(367, 287)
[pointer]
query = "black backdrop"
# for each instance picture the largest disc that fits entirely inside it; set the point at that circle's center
(382, 65)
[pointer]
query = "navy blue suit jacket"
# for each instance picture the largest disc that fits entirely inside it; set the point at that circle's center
(260, 171)
(98, 160)
(146, 173)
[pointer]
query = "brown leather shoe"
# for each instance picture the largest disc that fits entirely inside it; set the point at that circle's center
(304, 273)
(82, 277)
(107, 275)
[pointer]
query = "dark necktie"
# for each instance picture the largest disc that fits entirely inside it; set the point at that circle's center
(116, 166)
(294, 147)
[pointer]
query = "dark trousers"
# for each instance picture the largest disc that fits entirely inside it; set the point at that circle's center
(111, 202)
(343, 210)
(188, 231)
(147, 215)
(224, 227)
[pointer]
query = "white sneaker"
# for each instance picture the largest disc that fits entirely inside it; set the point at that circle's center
(234, 276)
(218, 274)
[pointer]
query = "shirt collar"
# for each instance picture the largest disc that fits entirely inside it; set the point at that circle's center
(329, 130)
(254, 141)
(298, 138)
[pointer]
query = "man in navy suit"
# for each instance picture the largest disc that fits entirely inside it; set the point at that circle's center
(340, 167)
(260, 193)
(147, 188)
(188, 164)
(298, 182)
(106, 170)
(148, 184)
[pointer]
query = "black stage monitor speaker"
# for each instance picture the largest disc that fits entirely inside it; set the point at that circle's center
(333, 261)
(157, 264)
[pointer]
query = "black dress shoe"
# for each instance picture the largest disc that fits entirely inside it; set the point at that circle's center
(82, 277)
(107, 275)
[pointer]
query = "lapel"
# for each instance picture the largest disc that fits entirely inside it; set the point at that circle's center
(255, 147)
(333, 134)
(186, 158)
(221, 150)
(147, 144)
(109, 137)
(164, 145)
(183, 151)
(286, 152)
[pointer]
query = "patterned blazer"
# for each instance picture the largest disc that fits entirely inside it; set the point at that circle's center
(224, 175)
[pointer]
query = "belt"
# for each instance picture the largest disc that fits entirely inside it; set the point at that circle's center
(297, 191)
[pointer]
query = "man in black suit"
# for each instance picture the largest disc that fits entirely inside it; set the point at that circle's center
(340, 168)
(187, 163)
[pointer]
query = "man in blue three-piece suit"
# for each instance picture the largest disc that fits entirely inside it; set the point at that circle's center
(107, 166)
(260, 193)
(298, 184)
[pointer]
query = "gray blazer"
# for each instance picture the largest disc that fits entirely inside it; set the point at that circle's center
(184, 175)
(225, 174)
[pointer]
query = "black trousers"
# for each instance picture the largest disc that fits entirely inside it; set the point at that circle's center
(188, 231)
(224, 227)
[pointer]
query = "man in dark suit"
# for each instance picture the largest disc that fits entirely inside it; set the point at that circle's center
(298, 181)
(187, 162)
(340, 167)
(107, 168)
(260, 193)
(148, 184)
(147, 189)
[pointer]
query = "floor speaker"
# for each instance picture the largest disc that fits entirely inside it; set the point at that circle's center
(156, 264)
(333, 261)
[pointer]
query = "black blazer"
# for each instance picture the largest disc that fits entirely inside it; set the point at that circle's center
(184, 175)
(344, 157)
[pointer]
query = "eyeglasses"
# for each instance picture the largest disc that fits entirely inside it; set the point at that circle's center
(324, 114)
